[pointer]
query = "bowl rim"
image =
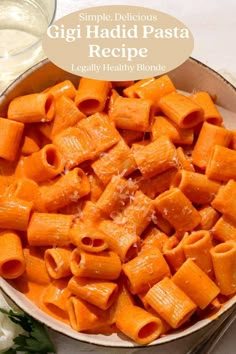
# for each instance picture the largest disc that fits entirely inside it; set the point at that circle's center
(46, 60)
(23, 302)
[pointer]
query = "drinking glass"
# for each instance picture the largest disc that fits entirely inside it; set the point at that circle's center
(22, 26)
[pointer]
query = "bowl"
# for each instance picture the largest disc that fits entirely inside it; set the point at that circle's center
(190, 76)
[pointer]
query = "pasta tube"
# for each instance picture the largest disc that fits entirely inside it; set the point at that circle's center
(57, 261)
(131, 136)
(155, 89)
(7, 174)
(196, 284)
(32, 108)
(88, 238)
(137, 214)
(124, 298)
(10, 138)
(132, 114)
(174, 253)
(170, 302)
(56, 296)
(161, 223)
(96, 187)
(101, 131)
(97, 292)
(145, 270)
(209, 218)
(66, 115)
(153, 238)
(12, 261)
(35, 269)
(116, 194)
(104, 265)
(44, 164)
(138, 324)
(224, 263)
(90, 214)
(32, 140)
(184, 162)
(158, 184)
(64, 88)
(225, 200)
(64, 190)
(211, 113)
(210, 135)
(224, 229)
(196, 186)
(49, 229)
(130, 91)
(120, 239)
(197, 246)
(92, 95)
(84, 316)
(117, 160)
(156, 157)
(14, 213)
(25, 189)
(75, 146)
(181, 110)
(177, 209)
(221, 165)
(164, 126)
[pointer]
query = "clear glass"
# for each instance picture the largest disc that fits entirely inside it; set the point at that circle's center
(22, 25)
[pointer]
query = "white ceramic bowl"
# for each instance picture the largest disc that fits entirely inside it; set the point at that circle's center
(190, 76)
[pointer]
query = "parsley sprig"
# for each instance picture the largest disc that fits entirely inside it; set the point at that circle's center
(36, 340)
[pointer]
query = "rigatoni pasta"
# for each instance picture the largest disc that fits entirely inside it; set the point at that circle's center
(97, 292)
(170, 302)
(12, 261)
(111, 220)
(92, 95)
(197, 246)
(187, 278)
(163, 126)
(49, 229)
(132, 113)
(177, 209)
(64, 88)
(33, 108)
(14, 213)
(152, 89)
(156, 157)
(145, 270)
(57, 261)
(181, 110)
(11, 133)
(139, 324)
(224, 259)
(209, 136)
(43, 165)
(211, 113)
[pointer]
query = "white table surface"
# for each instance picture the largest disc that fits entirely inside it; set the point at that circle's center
(213, 24)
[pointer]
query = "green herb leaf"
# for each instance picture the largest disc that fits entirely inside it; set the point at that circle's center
(35, 341)
(10, 351)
